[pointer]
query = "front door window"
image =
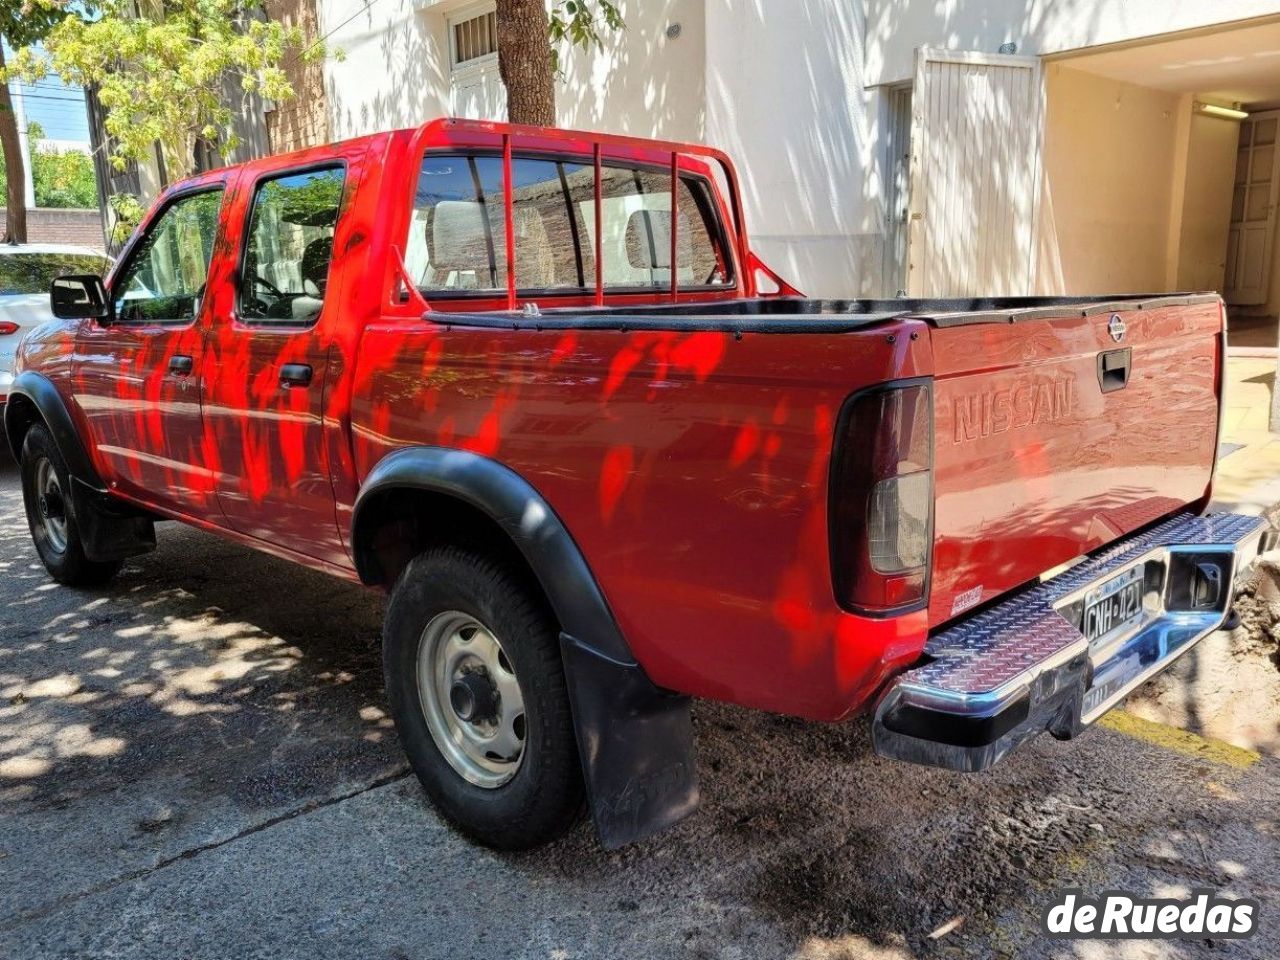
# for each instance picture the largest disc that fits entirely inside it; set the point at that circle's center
(164, 280)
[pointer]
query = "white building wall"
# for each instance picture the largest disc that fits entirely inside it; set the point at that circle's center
(775, 83)
(643, 83)
(1105, 225)
(794, 90)
(394, 70)
(786, 99)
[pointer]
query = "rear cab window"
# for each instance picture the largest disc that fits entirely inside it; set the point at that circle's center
(457, 233)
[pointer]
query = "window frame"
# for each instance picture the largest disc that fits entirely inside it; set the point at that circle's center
(280, 173)
(719, 236)
(456, 18)
(730, 281)
(126, 263)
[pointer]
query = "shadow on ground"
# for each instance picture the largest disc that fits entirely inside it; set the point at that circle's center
(196, 761)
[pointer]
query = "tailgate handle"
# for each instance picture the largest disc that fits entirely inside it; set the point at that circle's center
(181, 366)
(1113, 369)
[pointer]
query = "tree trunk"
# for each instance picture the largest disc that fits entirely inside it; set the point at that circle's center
(524, 62)
(15, 228)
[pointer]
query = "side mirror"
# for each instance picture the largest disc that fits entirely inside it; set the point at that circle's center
(79, 296)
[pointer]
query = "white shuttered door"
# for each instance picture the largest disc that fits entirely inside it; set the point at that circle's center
(976, 122)
(1253, 211)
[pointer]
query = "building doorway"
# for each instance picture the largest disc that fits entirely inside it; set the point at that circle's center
(897, 201)
(974, 171)
(1253, 212)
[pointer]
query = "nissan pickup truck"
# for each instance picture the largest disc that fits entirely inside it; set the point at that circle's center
(537, 385)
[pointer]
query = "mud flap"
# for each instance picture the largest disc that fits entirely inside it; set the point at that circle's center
(636, 742)
(109, 529)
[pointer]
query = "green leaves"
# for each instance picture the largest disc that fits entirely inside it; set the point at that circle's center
(24, 22)
(580, 23)
(60, 179)
(161, 76)
(128, 211)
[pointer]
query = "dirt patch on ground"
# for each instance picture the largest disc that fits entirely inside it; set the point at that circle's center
(1258, 605)
(1228, 687)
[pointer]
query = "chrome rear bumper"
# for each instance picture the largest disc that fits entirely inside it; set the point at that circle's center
(1024, 666)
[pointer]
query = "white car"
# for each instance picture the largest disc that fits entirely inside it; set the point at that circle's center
(26, 272)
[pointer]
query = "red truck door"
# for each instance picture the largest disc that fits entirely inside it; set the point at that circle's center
(270, 348)
(138, 378)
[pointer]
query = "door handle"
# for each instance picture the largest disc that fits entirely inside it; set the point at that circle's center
(1113, 369)
(181, 366)
(295, 375)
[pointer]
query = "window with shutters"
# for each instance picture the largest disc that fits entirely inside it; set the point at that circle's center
(473, 38)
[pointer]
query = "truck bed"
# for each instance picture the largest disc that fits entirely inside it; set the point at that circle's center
(799, 315)
(1039, 457)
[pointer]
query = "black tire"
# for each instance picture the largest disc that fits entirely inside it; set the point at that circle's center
(544, 797)
(60, 550)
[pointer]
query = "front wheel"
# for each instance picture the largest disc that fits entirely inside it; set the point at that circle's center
(51, 515)
(477, 691)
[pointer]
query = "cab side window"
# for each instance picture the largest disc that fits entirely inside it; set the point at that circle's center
(285, 271)
(164, 280)
(458, 238)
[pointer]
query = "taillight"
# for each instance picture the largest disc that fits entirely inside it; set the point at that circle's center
(881, 499)
(7, 326)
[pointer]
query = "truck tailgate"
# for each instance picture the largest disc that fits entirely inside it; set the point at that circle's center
(1057, 435)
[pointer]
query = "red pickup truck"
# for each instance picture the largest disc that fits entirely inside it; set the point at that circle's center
(537, 385)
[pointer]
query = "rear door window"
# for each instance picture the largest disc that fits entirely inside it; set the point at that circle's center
(457, 234)
(289, 247)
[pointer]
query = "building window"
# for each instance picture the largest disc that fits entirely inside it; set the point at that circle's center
(474, 38)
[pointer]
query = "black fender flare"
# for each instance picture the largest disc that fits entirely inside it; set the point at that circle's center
(512, 502)
(110, 529)
(636, 740)
(40, 392)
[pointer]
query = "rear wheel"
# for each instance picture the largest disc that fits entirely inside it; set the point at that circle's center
(51, 516)
(477, 691)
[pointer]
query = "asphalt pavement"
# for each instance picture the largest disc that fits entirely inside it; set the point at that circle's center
(196, 762)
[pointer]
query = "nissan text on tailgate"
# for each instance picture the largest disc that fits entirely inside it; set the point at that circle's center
(536, 385)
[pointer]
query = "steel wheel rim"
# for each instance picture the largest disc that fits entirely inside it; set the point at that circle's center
(51, 505)
(459, 657)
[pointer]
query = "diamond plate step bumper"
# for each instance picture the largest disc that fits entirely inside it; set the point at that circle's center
(1024, 666)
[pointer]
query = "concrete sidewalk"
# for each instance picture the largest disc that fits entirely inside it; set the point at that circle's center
(1248, 479)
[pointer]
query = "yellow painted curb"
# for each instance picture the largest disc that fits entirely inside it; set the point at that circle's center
(1180, 741)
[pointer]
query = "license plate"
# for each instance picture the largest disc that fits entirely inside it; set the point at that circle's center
(1115, 604)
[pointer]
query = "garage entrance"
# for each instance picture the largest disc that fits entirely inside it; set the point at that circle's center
(1162, 171)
